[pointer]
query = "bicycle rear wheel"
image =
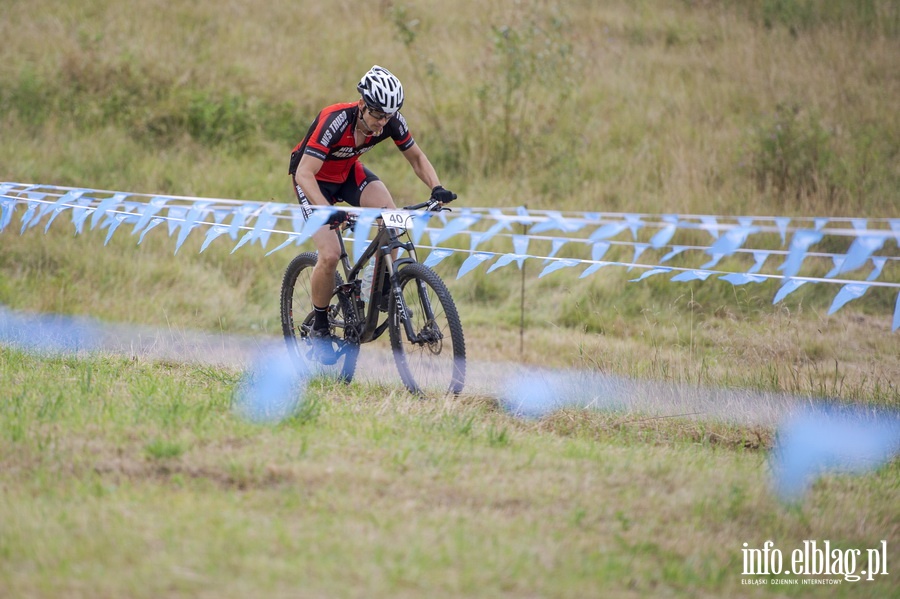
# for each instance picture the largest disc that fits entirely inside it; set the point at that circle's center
(434, 359)
(296, 292)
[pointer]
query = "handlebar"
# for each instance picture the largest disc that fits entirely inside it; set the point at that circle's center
(430, 206)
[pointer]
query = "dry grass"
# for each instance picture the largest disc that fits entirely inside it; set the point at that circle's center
(160, 490)
(637, 107)
(122, 477)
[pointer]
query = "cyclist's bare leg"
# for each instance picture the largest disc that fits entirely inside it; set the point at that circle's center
(322, 279)
(376, 195)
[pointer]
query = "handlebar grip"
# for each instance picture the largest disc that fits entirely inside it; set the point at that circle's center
(431, 205)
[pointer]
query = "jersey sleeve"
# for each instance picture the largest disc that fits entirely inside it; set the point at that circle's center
(326, 131)
(399, 131)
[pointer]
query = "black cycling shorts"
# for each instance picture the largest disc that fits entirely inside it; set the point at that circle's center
(349, 191)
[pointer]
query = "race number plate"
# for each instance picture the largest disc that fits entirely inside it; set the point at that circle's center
(397, 219)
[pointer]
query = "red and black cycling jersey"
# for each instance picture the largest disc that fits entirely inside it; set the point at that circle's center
(330, 138)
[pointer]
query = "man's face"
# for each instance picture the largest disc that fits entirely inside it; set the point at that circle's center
(374, 120)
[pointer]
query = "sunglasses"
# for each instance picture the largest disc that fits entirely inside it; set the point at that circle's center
(380, 116)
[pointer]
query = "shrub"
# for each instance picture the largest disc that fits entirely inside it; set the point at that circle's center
(792, 156)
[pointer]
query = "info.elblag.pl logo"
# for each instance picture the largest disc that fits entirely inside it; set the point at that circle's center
(813, 559)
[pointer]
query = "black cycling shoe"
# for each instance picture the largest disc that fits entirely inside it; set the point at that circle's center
(322, 342)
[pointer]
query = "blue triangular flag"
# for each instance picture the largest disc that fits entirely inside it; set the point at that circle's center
(731, 241)
(860, 251)
(782, 223)
(715, 260)
(81, 212)
(737, 278)
(800, 243)
(789, 287)
(599, 249)
(214, 232)
(607, 231)
(291, 238)
(759, 258)
(878, 266)
(677, 249)
(26, 218)
(175, 215)
(420, 221)
(316, 221)
(458, 224)
(361, 231)
(265, 223)
(436, 256)
(45, 208)
(506, 259)
(592, 269)
(113, 222)
(639, 248)
(520, 244)
(848, 292)
(7, 207)
(838, 261)
(651, 272)
(147, 212)
(710, 225)
(473, 261)
(197, 211)
(244, 240)
(104, 206)
(153, 223)
(556, 245)
(665, 234)
(691, 275)
(495, 228)
(556, 220)
(634, 223)
(240, 216)
(61, 205)
(557, 265)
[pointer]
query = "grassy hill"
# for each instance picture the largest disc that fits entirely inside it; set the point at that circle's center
(130, 477)
(746, 108)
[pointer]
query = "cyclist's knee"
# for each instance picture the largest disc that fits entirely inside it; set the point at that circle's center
(328, 257)
(376, 195)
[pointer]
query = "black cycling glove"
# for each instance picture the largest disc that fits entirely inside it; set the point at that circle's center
(444, 196)
(337, 218)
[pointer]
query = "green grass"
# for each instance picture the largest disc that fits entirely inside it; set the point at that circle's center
(127, 478)
(677, 107)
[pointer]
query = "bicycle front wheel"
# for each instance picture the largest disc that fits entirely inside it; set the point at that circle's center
(431, 354)
(297, 319)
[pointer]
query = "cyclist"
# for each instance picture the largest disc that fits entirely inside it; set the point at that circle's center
(326, 169)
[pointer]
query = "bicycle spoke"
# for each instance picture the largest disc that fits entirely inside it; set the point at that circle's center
(297, 318)
(432, 360)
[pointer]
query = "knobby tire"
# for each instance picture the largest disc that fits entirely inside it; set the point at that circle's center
(296, 300)
(437, 362)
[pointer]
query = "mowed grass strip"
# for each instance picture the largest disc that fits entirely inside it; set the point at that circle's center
(128, 478)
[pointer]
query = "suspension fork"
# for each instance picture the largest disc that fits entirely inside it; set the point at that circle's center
(393, 267)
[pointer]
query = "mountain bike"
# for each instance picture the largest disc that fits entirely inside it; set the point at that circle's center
(407, 299)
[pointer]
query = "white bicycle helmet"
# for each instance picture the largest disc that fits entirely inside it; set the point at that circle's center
(381, 90)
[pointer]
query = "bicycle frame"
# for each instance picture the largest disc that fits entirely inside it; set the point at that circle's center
(381, 249)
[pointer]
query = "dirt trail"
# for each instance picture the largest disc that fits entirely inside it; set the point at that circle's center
(523, 388)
